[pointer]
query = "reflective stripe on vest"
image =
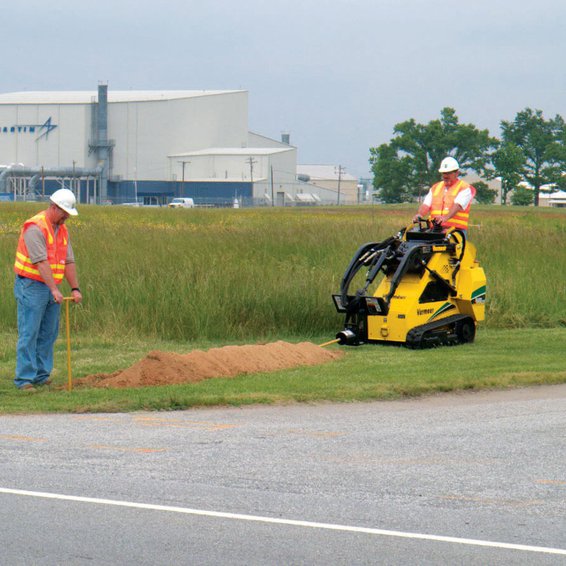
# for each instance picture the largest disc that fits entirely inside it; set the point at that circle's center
(56, 250)
(442, 202)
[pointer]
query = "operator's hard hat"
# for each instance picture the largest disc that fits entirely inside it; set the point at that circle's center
(448, 164)
(65, 200)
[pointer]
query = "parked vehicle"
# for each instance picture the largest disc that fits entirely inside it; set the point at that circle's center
(182, 203)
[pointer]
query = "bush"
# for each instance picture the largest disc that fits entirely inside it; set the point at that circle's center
(522, 197)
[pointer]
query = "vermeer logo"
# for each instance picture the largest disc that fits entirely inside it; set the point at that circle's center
(420, 312)
(41, 129)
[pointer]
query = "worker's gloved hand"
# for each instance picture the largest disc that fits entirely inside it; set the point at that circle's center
(437, 224)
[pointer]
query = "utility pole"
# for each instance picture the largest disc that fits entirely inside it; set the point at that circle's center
(339, 170)
(272, 201)
(74, 183)
(251, 161)
(183, 163)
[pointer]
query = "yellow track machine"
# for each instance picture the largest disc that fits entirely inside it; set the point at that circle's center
(430, 290)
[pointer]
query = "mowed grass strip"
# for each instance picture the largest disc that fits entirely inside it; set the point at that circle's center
(498, 359)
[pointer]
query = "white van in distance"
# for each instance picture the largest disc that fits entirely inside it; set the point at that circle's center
(182, 203)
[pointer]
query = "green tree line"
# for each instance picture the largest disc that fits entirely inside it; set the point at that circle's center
(530, 156)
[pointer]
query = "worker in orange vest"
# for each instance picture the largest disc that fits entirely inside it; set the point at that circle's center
(44, 258)
(450, 200)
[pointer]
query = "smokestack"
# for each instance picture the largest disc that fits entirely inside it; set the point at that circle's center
(102, 139)
(286, 138)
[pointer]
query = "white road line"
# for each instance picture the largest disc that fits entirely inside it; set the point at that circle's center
(291, 522)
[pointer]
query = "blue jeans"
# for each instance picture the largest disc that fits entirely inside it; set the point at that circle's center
(38, 327)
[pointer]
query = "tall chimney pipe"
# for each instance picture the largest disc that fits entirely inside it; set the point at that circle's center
(102, 139)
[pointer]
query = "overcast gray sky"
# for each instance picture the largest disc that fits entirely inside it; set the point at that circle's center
(336, 74)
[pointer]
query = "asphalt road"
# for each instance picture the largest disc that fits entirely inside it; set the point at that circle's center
(454, 479)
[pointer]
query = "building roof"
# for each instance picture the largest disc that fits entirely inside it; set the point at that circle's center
(327, 172)
(244, 151)
(86, 96)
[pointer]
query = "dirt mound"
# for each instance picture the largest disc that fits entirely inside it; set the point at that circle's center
(167, 368)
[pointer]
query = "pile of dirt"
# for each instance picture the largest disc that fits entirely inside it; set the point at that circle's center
(167, 368)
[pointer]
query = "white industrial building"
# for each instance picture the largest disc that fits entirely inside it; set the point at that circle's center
(146, 146)
(555, 199)
(346, 187)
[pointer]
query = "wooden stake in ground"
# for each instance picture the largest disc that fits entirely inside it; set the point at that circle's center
(68, 329)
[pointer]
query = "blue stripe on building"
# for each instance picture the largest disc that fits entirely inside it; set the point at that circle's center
(155, 192)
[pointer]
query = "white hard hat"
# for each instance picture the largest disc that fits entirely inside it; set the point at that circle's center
(65, 199)
(448, 164)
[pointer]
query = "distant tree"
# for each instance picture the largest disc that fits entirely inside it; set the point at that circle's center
(484, 195)
(405, 168)
(543, 143)
(522, 196)
(396, 172)
(558, 153)
(508, 162)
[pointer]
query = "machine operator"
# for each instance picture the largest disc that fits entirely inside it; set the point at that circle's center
(449, 201)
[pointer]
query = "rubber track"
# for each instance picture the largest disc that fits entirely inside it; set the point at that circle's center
(415, 335)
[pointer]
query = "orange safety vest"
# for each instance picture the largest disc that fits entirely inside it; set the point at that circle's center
(442, 202)
(56, 250)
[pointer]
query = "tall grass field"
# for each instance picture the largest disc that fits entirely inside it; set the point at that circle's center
(158, 278)
(237, 274)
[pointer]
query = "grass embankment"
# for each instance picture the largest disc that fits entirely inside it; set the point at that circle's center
(180, 279)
